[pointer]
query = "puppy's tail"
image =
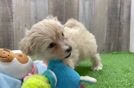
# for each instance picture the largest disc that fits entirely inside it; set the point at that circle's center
(73, 23)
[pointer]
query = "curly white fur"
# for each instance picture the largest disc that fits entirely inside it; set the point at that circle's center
(83, 43)
(46, 40)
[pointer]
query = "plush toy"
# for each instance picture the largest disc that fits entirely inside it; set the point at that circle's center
(66, 76)
(16, 65)
(48, 80)
(36, 81)
(59, 76)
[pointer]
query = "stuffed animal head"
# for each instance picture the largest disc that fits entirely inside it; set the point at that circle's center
(16, 64)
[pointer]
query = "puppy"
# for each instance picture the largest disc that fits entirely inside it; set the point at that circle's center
(83, 43)
(46, 40)
(71, 42)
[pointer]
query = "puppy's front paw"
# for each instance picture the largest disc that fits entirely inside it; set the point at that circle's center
(98, 67)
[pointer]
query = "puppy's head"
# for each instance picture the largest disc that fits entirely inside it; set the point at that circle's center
(46, 39)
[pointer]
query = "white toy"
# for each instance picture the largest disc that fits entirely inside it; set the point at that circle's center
(15, 64)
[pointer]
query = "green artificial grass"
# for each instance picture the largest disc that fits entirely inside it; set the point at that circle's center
(118, 71)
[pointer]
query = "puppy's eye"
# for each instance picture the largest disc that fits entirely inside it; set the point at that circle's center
(51, 45)
(62, 34)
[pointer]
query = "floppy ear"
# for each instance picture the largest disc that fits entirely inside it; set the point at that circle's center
(24, 44)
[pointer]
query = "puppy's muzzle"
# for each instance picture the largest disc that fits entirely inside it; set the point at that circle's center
(69, 49)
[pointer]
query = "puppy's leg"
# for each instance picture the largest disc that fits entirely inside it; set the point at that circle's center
(96, 60)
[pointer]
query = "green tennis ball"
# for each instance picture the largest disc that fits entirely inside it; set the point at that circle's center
(36, 81)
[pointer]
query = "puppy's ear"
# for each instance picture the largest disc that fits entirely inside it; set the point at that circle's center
(24, 44)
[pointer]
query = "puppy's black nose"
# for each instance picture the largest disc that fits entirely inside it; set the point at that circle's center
(69, 49)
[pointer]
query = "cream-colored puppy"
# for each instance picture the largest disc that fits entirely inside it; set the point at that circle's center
(50, 39)
(83, 44)
(46, 40)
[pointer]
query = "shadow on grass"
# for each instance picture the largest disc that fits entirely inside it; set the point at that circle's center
(86, 70)
(83, 70)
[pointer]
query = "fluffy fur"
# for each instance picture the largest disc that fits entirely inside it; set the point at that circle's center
(83, 43)
(71, 42)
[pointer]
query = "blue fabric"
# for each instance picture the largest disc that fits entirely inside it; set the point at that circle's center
(52, 77)
(42, 67)
(66, 76)
(9, 82)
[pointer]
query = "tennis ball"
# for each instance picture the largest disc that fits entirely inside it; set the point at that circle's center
(36, 81)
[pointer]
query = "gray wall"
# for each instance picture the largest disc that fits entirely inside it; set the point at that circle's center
(93, 13)
(118, 26)
(132, 27)
(6, 25)
(108, 20)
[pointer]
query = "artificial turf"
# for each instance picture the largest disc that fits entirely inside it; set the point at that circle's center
(118, 71)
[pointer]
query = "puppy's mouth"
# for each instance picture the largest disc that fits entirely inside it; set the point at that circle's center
(68, 55)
